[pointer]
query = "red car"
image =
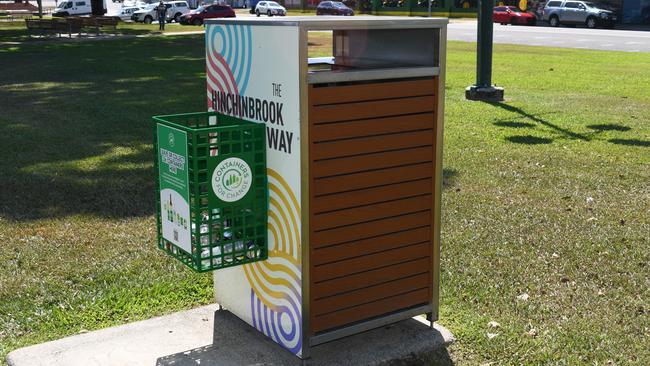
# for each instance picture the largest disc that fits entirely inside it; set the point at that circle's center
(198, 15)
(333, 8)
(512, 15)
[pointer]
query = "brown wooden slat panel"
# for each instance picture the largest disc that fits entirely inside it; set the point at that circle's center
(370, 91)
(370, 127)
(369, 109)
(371, 179)
(359, 163)
(371, 149)
(378, 292)
(371, 195)
(366, 311)
(371, 245)
(369, 278)
(369, 229)
(371, 261)
(375, 211)
(366, 145)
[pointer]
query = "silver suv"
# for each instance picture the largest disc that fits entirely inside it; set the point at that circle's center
(150, 13)
(557, 12)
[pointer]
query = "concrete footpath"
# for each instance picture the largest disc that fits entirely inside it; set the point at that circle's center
(207, 336)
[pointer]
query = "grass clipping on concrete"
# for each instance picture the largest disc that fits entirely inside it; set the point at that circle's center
(546, 212)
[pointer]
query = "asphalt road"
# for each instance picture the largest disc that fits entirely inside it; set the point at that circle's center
(465, 30)
(595, 39)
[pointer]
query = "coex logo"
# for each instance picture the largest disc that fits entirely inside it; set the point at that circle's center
(172, 140)
(231, 179)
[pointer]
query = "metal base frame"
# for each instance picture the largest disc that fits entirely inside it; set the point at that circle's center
(368, 325)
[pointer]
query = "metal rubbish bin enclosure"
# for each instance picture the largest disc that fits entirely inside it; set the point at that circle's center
(342, 233)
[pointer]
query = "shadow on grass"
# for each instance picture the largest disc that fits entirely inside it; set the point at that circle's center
(13, 35)
(513, 124)
(31, 37)
(567, 133)
(609, 127)
(630, 142)
(529, 140)
(76, 123)
(449, 177)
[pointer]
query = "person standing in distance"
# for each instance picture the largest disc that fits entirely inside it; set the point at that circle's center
(162, 15)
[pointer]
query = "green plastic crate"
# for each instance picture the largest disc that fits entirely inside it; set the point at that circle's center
(212, 189)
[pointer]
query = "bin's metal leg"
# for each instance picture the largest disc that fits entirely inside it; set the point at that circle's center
(430, 319)
(306, 352)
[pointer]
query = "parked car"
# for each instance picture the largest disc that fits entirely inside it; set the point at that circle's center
(512, 15)
(349, 3)
(558, 12)
(270, 8)
(73, 7)
(146, 15)
(333, 8)
(174, 11)
(241, 4)
(138, 3)
(198, 16)
(125, 12)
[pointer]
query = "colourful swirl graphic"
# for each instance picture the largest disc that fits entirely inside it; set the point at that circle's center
(275, 283)
(229, 51)
(275, 296)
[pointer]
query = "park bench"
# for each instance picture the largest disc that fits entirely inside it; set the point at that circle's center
(53, 26)
(41, 25)
(99, 23)
(11, 15)
(71, 25)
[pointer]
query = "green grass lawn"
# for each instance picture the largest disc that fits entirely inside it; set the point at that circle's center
(547, 194)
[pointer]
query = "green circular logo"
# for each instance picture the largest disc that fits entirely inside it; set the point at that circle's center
(231, 179)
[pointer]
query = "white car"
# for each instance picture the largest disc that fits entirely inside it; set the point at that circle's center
(125, 12)
(135, 3)
(73, 7)
(150, 13)
(270, 8)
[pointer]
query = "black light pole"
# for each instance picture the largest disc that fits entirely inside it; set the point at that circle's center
(483, 89)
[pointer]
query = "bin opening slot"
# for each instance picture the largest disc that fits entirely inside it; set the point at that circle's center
(371, 49)
(344, 55)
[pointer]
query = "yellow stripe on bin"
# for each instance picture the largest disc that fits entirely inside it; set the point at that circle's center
(274, 218)
(295, 238)
(290, 242)
(283, 225)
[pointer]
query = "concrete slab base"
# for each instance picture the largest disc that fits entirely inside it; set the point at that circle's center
(489, 94)
(208, 336)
